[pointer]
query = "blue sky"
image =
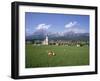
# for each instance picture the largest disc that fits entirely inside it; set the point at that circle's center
(56, 22)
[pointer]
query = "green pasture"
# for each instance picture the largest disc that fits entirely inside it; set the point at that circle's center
(37, 56)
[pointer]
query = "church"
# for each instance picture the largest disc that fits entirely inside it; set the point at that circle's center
(45, 41)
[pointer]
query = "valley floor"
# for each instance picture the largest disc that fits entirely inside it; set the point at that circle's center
(37, 56)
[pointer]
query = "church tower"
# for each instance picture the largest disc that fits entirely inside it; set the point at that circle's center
(45, 42)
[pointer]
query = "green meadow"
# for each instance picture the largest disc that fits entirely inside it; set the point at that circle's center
(37, 56)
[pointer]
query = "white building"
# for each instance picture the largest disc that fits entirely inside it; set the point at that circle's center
(45, 42)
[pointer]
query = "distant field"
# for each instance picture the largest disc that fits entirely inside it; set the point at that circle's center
(37, 56)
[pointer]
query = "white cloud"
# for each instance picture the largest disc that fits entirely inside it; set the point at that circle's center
(43, 26)
(71, 24)
(74, 27)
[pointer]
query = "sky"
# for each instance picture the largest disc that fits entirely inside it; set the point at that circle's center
(56, 22)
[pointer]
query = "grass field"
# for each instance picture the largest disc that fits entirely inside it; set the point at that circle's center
(37, 56)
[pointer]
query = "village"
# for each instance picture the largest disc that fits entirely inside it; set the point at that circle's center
(46, 41)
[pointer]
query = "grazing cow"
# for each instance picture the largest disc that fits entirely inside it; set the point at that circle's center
(51, 53)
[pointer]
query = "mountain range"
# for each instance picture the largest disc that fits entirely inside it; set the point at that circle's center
(69, 35)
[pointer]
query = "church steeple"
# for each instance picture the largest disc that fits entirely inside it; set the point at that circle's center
(45, 42)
